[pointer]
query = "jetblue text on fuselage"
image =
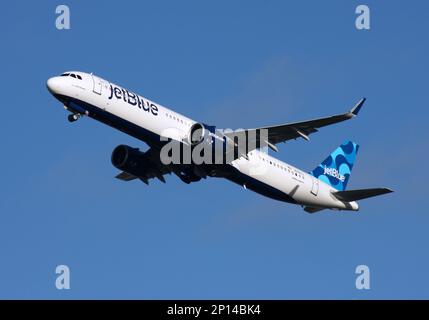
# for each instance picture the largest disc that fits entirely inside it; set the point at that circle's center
(133, 99)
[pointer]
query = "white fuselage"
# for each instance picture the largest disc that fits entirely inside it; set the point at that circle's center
(93, 96)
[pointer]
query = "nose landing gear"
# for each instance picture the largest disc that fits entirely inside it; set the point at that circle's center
(73, 117)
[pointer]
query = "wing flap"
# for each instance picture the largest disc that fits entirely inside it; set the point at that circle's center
(125, 176)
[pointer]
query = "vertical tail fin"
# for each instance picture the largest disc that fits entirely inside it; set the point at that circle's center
(335, 170)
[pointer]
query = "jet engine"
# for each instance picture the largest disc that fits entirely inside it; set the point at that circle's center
(197, 134)
(129, 159)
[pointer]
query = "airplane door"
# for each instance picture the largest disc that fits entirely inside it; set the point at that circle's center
(97, 84)
(315, 187)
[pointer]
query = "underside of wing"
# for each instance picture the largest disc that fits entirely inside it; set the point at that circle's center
(139, 165)
(145, 166)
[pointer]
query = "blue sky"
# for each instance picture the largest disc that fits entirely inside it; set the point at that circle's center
(232, 64)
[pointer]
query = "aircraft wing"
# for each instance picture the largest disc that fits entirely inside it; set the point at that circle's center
(285, 132)
(153, 168)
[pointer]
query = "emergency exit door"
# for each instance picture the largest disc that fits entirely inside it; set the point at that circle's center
(315, 187)
(97, 84)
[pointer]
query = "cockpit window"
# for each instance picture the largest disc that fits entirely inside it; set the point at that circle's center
(67, 74)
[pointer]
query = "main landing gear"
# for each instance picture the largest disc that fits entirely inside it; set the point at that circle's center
(73, 117)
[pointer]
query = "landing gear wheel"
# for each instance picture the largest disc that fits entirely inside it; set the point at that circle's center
(73, 117)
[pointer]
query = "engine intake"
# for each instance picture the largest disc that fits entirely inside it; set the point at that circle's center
(197, 134)
(128, 159)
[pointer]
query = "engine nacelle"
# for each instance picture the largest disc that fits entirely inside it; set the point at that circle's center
(197, 134)
(128, 159)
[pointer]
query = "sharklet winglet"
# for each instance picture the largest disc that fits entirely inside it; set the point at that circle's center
(357, 107)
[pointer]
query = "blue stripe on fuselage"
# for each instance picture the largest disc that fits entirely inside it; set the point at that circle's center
(231, 173)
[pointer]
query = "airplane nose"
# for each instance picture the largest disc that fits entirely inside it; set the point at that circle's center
(53, 84)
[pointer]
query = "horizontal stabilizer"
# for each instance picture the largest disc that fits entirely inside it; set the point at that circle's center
(354, 195)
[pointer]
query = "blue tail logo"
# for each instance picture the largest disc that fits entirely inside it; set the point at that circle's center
(335, 170)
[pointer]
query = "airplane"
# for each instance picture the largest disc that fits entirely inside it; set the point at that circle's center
(85, 94)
